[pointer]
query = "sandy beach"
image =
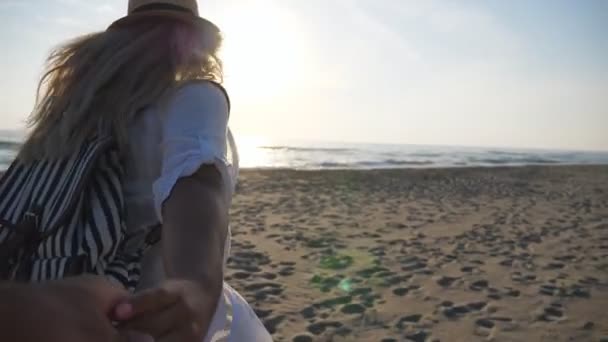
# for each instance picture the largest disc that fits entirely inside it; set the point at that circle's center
(503, 254)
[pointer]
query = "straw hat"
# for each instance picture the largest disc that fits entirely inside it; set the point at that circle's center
(184, 10)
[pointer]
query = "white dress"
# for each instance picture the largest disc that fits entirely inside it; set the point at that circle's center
(167, 142)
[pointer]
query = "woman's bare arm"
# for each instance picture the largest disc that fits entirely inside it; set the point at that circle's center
(195, 225)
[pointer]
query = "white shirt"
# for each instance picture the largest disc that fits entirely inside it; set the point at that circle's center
(170, 141)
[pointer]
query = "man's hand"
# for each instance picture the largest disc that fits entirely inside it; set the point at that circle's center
(71, 310)
(177, 311)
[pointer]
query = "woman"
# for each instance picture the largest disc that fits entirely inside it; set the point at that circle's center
(152, 80)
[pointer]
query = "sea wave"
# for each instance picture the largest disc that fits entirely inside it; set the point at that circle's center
(309, 149)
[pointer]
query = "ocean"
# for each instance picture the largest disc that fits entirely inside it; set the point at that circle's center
(255, 153)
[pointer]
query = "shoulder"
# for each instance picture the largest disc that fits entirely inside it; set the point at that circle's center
(197, 94)
(200, 106)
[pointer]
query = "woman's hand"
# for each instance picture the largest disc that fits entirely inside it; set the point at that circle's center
(177, 311)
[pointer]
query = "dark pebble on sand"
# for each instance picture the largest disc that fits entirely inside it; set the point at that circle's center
(446, 281)
(351, 309)
(467, 269)
(486, 323)
(320, 327)
(514, 293)
(343, 331)
(361, 291)
(272, 323)
(302, 338)
(262, 313)
(241, 275)
(419, 336)
(447, 303)
(269, 276)
(416, 266)
(400, 291)
(494, 296)
(555, 266)
(411, 319)
(308, 312)
(455, 311)
(548, 290)
(479, 285)
(259, 286)
(477, 305)
(581, 293)
(553, 312)
(588, 326)
(287, 271)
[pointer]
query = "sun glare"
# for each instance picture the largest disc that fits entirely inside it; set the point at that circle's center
(262, 50)
(251, 152)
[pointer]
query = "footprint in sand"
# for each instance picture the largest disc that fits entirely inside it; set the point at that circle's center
(483, 327)
(408, 320)
(302, 338)
(552, 313)
(446, 281)
(479, 285)
(419, 336)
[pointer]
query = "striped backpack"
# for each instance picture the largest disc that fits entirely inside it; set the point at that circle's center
(66, 217)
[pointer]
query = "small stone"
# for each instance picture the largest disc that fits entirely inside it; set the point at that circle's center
(262, 313)
(353, 309)
(486, 323)
(467, 269)
(514, 293)
(456, 311)
(268, 275)
(479, 285)
(419, 336)
(477, 305)
(447, 303)
(446, 281)
(308, 312)
(272, 323)
(411, 319)
(589, 326)
(400, 291)
(581, 293)
(343, 331)
(553, 312)
(320, 327)
(241, 275)
(302, 338)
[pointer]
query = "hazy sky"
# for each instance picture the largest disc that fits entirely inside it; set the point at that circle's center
(516, 73)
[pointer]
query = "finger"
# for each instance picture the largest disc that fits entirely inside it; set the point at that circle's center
(121, 337)
(147, 301)
(106, 294)
(133, 336)
(159, 323)
(186, 333)
(102, 293)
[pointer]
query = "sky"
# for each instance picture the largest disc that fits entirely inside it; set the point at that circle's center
(514, 73)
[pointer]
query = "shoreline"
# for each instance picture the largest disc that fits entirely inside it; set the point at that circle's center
(466, 167)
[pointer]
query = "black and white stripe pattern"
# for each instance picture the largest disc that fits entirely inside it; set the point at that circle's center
(81, 212)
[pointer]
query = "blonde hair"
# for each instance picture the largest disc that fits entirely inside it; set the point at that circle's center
(102, 81)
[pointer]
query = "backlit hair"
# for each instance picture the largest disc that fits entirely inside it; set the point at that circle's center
(103, 80)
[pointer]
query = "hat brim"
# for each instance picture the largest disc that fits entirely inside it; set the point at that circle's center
(181, 16)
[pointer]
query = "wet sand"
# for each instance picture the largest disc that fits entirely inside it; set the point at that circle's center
(508, 254)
